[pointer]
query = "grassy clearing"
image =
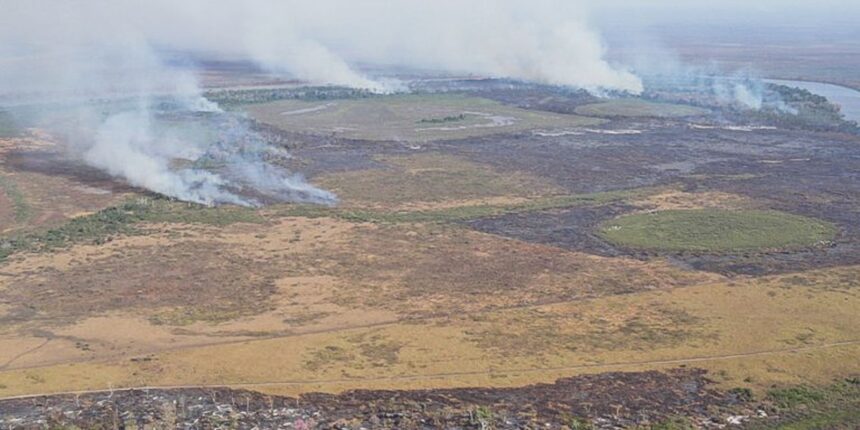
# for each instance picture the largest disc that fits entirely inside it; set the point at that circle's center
(462, 213)
(400, 117)
(638, 108)
(805, 407)
(431, 178)
(716, 230)
(22, 209)
(101, 226)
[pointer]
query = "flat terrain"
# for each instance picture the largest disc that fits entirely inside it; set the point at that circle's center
(638, 108)
(716, 230)
(626, 270)
(409, 118)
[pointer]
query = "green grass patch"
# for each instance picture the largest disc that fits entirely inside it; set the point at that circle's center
(21, 207)
(716, 230)
(124, 220)
(806, 408)
(451, 118)
(638, 108)
(409, 117)
(794, 396)
(461, 213)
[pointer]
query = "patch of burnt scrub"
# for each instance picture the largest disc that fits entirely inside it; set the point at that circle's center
(576, 230)
(56, 163)
(825, 186)
(571, 229)
(609, 400)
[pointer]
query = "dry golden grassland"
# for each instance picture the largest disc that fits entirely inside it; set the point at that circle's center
(285, 303)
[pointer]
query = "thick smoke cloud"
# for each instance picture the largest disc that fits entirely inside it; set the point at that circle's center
(104, 61)
(547, 41)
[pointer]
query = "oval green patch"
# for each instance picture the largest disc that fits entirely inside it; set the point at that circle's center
(716, 230)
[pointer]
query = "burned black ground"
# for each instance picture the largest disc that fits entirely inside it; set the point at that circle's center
(798, 172)
(609, 400)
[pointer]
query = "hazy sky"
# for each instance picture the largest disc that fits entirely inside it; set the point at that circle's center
(822, 13)
(76, 50)
(553, 41)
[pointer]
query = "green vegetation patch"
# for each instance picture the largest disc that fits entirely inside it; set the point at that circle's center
(462, 213)
(124, 219)
(412, 118)
(716, 230)
(806, 408)
(451, 118)
(21, 208)
(237, 97)
(638, 108)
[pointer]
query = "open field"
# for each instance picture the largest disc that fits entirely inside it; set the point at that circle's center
(408, 118)
(433, 180)
(716, 230)
(638, 108)
(481, 257)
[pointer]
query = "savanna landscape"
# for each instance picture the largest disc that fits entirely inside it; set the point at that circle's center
(468, 252)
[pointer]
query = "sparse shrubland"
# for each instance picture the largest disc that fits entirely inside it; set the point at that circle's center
(806, 407)
(229, 98)
(21, 207)
(124, 219)
(452, 118)
(802, 109)
(460, 213)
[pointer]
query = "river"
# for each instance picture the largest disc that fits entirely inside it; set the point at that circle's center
(847, 98)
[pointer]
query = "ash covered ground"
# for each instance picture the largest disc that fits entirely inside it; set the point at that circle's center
(612, 400)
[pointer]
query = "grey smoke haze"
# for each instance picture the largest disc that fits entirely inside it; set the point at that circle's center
(545, 40)
(81, 50)
(550, 41)
(822, 14)
(76, 52)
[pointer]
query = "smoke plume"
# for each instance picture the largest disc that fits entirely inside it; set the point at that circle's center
(103, 62)
(547, 41)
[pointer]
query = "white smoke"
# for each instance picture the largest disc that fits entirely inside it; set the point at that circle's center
(547, 41)
(105, 60)
(113, 93)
